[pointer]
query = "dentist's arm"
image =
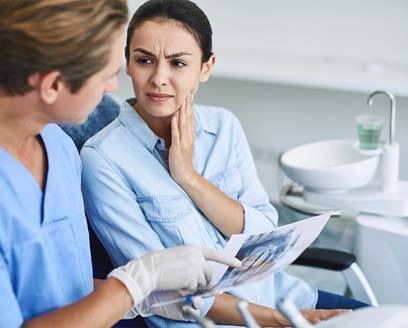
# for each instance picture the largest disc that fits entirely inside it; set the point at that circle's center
(102, 308)
(176, 268)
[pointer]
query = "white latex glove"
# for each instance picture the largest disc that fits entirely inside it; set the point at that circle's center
(175, 311)
(176, 268)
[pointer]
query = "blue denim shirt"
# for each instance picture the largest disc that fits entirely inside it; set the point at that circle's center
(135, 206)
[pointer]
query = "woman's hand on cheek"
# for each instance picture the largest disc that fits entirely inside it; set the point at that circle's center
(182, 143)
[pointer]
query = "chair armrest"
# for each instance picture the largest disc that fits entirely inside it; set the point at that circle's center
(326, 259)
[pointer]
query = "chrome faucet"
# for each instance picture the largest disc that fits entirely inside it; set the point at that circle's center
(392, 111)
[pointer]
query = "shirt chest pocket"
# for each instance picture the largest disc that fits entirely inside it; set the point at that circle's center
(174, 219)
(52, 265)
(228, 181)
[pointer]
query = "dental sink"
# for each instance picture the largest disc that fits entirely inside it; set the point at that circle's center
(363, 187)
(329, 165)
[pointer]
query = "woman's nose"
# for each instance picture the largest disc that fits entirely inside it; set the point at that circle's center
(160, 75)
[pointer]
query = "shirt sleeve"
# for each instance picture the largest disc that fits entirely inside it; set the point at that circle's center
(10, 313)
(259, 214)
(114, 213)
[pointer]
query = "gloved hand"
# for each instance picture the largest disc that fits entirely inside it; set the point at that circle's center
(176, 268)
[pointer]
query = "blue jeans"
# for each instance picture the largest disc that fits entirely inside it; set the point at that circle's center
(332, 301)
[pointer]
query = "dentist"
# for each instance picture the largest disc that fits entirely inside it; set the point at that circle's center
(57, 59)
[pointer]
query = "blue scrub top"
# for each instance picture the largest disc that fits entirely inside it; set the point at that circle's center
(45, 259)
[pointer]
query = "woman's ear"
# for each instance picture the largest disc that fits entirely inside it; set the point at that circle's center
(49, 85)
(206, 69)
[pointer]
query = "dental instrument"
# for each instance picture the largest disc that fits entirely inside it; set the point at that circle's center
(246, 315)
(292, 314)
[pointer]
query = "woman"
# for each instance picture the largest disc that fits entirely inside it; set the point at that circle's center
(57, 59)
(167, 173)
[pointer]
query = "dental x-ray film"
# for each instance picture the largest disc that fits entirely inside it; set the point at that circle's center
(260, 254)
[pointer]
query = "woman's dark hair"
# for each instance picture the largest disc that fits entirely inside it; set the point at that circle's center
(185, 12)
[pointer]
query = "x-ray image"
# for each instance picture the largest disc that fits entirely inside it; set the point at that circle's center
(258, 254)
(261, 255)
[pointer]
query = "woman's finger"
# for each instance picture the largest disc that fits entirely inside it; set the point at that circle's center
(189, 107)
(182, 121)
(192, 117)
(182, 117)
(326, 314)
(189, 118)
(175, 136)
(315, 316)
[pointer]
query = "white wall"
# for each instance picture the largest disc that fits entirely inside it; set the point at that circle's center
(360, 30)
(347, 45)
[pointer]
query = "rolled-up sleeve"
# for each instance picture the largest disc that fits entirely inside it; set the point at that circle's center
(259, 214)
(10, 313)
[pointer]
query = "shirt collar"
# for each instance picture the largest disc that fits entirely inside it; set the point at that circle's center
(130, 118)
(136, 125)
(202, 124)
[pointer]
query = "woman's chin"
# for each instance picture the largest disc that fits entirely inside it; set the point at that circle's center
(159, 113)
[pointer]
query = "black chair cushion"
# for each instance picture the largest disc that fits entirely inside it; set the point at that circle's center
(326, 259)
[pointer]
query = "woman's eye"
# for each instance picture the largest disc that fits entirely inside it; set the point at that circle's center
(178, 63)
(144, 61)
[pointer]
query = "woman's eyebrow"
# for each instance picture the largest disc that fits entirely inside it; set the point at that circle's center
(177, 54)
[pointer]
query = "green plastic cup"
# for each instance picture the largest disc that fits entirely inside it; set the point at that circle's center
(369, 131)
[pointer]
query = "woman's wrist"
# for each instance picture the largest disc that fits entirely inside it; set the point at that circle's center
(190, 181)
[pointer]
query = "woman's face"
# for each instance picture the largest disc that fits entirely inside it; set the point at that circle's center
(165, 67)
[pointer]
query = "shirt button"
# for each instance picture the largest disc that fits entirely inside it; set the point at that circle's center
(258, 297)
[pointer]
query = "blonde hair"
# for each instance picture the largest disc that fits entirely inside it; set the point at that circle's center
(71, 36)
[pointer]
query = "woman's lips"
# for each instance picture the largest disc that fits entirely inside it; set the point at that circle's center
(158, 97)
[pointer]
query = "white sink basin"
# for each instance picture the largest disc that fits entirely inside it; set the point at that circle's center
(329, 165)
